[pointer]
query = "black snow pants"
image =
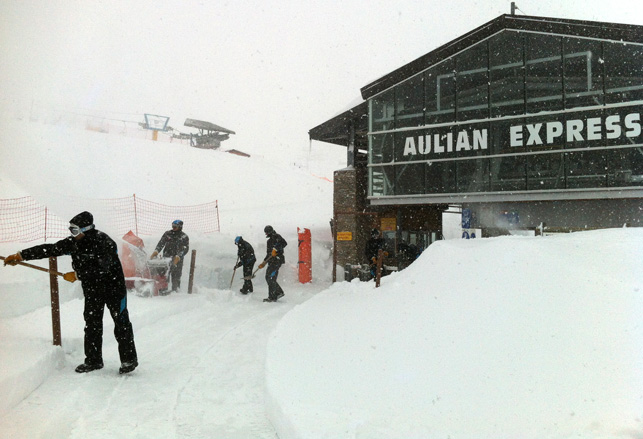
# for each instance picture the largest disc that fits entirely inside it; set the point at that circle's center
(247, 278)
(274, 290)
(175, 274)
(97, 297)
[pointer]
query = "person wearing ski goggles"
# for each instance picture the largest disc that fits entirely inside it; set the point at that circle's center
(94, 258)
(77, 230)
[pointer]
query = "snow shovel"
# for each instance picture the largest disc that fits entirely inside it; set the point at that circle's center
(234, 271)
(46, 270)
(253, 274)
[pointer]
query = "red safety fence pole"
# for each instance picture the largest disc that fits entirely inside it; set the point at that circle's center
(305, 256)
(135, 215)
(216, 205)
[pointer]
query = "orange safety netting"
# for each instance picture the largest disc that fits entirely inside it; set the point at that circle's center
(24, 219)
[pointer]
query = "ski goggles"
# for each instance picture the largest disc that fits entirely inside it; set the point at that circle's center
(75, 230)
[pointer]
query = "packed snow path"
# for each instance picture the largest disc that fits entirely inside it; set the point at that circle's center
(201, 375)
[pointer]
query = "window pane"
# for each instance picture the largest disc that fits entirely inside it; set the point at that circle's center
(625, 167)
(381, 180)
(508, 173)
(409, 102)
(382, 111)
(409, 179)
(473, 175)
(381, 150)
(472, 83)
(440, 93)
(623, 72)
(586, 169)
(583, 72)
(506, 74)
(440, 178)
(409, 145)
(543, 73)
(545, 171)
(501, 138)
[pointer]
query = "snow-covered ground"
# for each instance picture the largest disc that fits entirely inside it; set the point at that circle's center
(513, 337)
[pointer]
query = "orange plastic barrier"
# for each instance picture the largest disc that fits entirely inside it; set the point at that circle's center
(305, 256)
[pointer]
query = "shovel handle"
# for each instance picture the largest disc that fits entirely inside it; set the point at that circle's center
(234, 271)
(35, 267)
(264, 262)
(46, 270)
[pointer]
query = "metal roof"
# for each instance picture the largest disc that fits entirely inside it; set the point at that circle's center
(193, 123)
(337, 129)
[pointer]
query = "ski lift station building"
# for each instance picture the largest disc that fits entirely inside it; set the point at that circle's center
(523, 123)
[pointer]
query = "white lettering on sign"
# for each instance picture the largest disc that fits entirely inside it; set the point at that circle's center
(633, 124)
(531, 134)
(575, 130)
(441, 143)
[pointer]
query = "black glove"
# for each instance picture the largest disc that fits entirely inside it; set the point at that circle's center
(238, 265)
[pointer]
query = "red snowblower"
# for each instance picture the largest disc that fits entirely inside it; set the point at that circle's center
(143, 276)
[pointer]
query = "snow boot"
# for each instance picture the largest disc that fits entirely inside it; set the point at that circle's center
(127, 367)
(88, 367)
(270, 299)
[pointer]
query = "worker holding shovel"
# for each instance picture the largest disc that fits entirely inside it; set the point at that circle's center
(95, 261)
(274, 259)
(246, 259)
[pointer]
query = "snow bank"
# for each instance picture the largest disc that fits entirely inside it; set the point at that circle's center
(493, 338)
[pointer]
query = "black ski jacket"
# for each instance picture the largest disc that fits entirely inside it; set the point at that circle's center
(246, 253)
(278, 243)
(173, 243)
(372, 246)
(94, 258)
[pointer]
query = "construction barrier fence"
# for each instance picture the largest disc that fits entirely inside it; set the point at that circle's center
(24, 219)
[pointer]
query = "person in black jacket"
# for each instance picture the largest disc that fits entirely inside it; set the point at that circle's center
(94, 259)
(175, 244)
(275, 259)
(373, 245)
(247, 260)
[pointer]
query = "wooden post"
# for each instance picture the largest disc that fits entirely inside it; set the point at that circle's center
(378, 270)
(192, 263)
(334, 231)
(55, 302)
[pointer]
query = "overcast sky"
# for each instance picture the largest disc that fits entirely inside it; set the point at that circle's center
(268, 70)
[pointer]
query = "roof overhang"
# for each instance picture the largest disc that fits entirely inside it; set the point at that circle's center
(337, 130)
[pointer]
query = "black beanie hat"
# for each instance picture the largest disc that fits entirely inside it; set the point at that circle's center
(83, 219)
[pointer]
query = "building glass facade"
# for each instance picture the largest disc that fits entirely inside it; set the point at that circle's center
(515, 113)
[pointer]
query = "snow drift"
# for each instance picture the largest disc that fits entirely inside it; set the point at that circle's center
(493, 338)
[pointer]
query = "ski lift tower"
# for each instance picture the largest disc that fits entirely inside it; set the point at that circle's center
(155, 123)
(210, 135)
